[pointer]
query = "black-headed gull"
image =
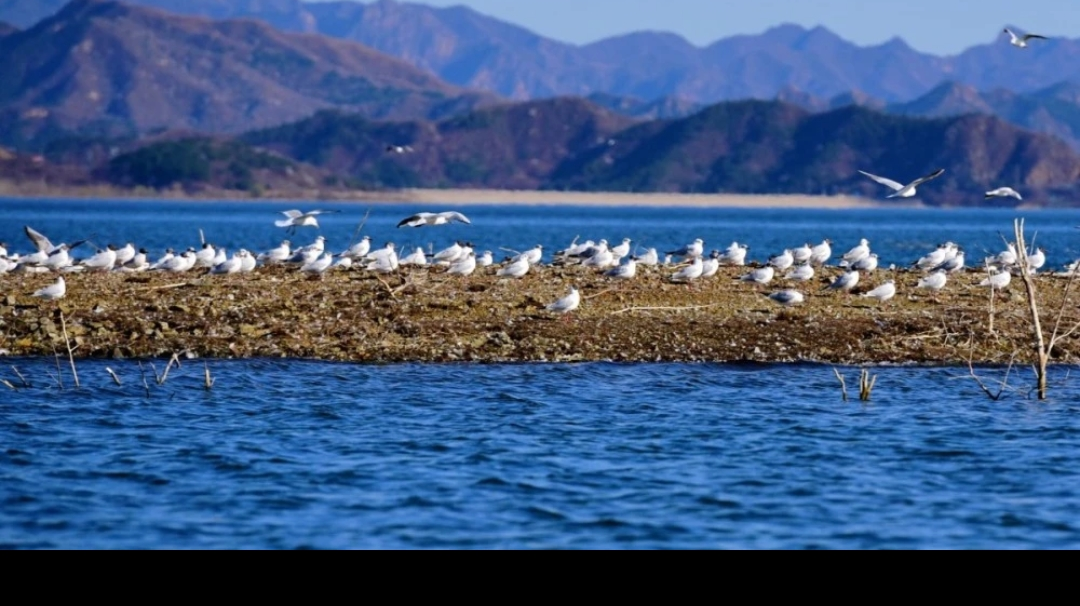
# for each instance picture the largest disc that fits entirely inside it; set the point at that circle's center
(566, 304)
(53, 291)
(882, 293)
(1036, 260)
(280, 254)
(416, 258)
(104, 260)
(516, 269)
(689, 273)
(856, 254)
(735, 254)
(533, 255)
(464, 266)
(845, 281)
(649, 258)
(787, 297)
(626, 271)
(819, 255)
(425, 219)
(762, 275)
(710, 266)
(954, 264)
(933, 281)
(1003, 192)
(783, 260)
(867, 263)
(901, 190)
(800, 273)
(690, 251)
(1021, 41)
(997, 280)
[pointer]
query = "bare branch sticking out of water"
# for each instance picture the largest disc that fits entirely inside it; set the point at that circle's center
(8, 384)
(866, 384)
(208, 381)
(112, 373)
(165, 375)
(25, 383)
(56, 357)
(843, 385)
(142, 373)
(71, 352)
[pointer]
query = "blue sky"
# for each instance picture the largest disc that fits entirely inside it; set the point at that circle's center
(941, 27)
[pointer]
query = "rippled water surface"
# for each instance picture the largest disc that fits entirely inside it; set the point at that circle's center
(289, 454)
(294, 454)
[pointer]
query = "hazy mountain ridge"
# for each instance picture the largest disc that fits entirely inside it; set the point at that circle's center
(1053, 111)
(745, 147)
(111, 69)
(470, 49)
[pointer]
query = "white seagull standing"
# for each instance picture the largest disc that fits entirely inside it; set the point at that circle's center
(52, 292)
(998, 280)
(691, 251)
(800, 273)
(934, 281)
(762, 275)
(423, 219)
(1003, 192)
(856, 254)
(566, 304)
(689, 273)
(277, 255)
(1021, 41)
(464, 266)
(516, 269)
(845, 281)
(882, 293)
(626, 271)
(904, 191)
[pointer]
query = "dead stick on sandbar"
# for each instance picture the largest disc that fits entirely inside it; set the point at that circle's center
(626, 309)
(165, 287)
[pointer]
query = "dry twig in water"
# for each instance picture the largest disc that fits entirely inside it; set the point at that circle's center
(71, 352)
(843, 386)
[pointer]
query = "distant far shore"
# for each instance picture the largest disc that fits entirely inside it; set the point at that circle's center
(459, 197)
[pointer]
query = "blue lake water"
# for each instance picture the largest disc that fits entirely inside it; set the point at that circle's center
(290, 454)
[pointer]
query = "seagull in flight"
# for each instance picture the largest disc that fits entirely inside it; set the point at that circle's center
(1003, 192)
(904, 191)
(296, 218)
(422, 219)
(1021, 41)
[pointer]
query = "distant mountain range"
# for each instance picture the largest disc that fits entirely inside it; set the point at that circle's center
(113, 87)
(117, 70)
(748, 146)
(468, 49)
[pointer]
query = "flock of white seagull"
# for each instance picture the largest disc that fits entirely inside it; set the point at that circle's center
(689, 263)
(797, 264)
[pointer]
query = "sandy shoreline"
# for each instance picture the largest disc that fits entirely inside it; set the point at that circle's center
(464, 197)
